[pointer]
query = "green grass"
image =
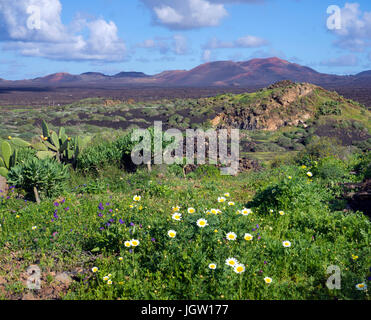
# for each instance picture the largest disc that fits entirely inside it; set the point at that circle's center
(164, 268)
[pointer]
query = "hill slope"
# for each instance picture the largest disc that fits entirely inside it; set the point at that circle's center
(253, 73)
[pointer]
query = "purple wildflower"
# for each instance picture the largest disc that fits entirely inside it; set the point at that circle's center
(100, 207)
(153, 240)
(121, 221)
(56, 204)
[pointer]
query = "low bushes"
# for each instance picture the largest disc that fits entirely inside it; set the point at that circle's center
(48, 177)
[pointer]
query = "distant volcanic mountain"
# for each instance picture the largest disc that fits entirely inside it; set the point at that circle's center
(252, 73)
(256, 72)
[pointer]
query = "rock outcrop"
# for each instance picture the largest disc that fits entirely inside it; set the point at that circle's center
(282, 104)
(3, 187)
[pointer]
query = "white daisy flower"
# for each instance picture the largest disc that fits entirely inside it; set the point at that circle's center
(268, 280)
(231, 236)
(134, 242)
(221, 199)
(137, 198)
(239, 268)
(212, 266)
(286, 244)
(171, 233)
(176, 216)
(246, 212)
(361, 286)
(248, 237)
(202, 223)
(231, 262)
(127, 244)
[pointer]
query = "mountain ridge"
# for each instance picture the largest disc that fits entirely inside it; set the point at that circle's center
(254, 72)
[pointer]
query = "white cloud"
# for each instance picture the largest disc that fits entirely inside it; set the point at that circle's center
(186, 14)
(168, 15)
(355, 31)
(251, 42)
(54, 40)
(176, 44)
(247, 41)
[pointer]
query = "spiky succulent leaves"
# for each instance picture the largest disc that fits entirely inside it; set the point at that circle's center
(55, 140)
(47, 175)
(51, 146)
(45, 154)
(62, 132)
(64, 146)
(45, 129)
(20, 143)
(70, 154)
(6, 151)
(3, 172)
(13, 158)
(63, 138)
(39, 146)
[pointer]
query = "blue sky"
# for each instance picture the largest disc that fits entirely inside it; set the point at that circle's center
(151, 36)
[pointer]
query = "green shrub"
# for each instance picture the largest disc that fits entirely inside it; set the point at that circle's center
(25, 154)
(268, 147)
(330, 168)
(319, 148)
(48, 176)
(329, 108)
(295, 193)
(209, 171)
(285, 142)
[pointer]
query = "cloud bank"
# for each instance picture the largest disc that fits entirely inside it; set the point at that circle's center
(84, 39)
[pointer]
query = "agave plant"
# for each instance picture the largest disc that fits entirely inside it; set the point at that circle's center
(40, 178)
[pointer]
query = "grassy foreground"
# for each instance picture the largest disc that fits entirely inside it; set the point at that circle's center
(86, 231)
